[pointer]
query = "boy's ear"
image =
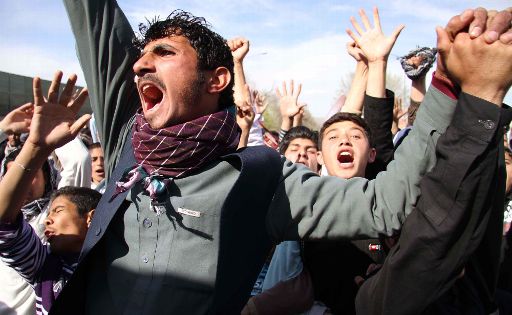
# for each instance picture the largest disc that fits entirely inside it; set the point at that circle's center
(219, 80)
(320, 158)
(89, 216)
(372, 155)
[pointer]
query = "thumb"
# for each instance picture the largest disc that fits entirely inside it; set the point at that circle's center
(397, 31)
(79, 124)
(443, 40)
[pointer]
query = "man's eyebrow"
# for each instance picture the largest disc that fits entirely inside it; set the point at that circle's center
(158, 47)
(56, 207)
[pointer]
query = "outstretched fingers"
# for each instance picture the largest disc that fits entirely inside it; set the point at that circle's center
(365, 20)
(38, 92)
(376, 18)
(297, 92)
(356, 26)
(68, 91)
(79, 101)
(53, 91)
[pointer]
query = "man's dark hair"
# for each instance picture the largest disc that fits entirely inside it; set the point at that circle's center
(356, 119)
(211, 48)
(296, 133)
(85, 199)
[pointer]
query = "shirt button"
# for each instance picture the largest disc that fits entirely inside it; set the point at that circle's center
(98, 231)
(147, 223)
(145, 259)
(488, 124)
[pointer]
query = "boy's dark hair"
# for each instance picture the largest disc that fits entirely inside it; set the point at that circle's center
(295, 133)
(85, 199)
(95, 145)
(356, 119)
(211, 48)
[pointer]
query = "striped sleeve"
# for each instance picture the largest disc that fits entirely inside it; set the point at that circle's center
(21, 249)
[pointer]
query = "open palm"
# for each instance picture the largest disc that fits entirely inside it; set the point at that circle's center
(371, 40)
(54, 122)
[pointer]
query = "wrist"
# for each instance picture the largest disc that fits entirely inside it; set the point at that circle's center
(378, 63)
(491, 94)
(287, 123)
(5, 129)
(36, 149)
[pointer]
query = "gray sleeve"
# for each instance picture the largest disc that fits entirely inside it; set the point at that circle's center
(312, 207)
(104, 46)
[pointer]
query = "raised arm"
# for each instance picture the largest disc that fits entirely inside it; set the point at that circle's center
(239, 48)
(104, 45)
(355, 96)
(378, 101)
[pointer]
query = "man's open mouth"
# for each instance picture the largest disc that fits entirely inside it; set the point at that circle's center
(152, 95)
(345, 157)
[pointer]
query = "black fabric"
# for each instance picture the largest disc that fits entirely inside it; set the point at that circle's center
(450, 228)
(378, 113)
(505, 278)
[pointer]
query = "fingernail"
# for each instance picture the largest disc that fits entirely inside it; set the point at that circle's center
(491, 36)
(476, 31)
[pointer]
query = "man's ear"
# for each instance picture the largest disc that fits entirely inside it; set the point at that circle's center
(372, 155)
(89, 216)
(218, 80)
(320, 158)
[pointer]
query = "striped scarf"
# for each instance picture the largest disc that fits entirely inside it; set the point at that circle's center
(179, 150)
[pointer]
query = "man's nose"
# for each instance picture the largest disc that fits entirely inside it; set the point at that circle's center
(144, 65)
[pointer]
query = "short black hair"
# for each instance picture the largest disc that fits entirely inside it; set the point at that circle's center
(85, 199)
(339, 117)
(296, 133)
(211, 48)
(95, 145)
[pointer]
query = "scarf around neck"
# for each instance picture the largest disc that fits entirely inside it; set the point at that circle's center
(179, 150)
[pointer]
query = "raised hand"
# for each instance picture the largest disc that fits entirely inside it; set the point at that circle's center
(239, 48)
(259, 102)
(245, 113)
(18, 120)
(54, 121)
(288, 100)
(371, 40)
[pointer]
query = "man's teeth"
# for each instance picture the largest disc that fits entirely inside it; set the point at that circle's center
(345, 153)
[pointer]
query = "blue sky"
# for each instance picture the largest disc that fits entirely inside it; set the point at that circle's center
(301, 40)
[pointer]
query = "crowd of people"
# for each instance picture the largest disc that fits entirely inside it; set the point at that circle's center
(173, 197)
